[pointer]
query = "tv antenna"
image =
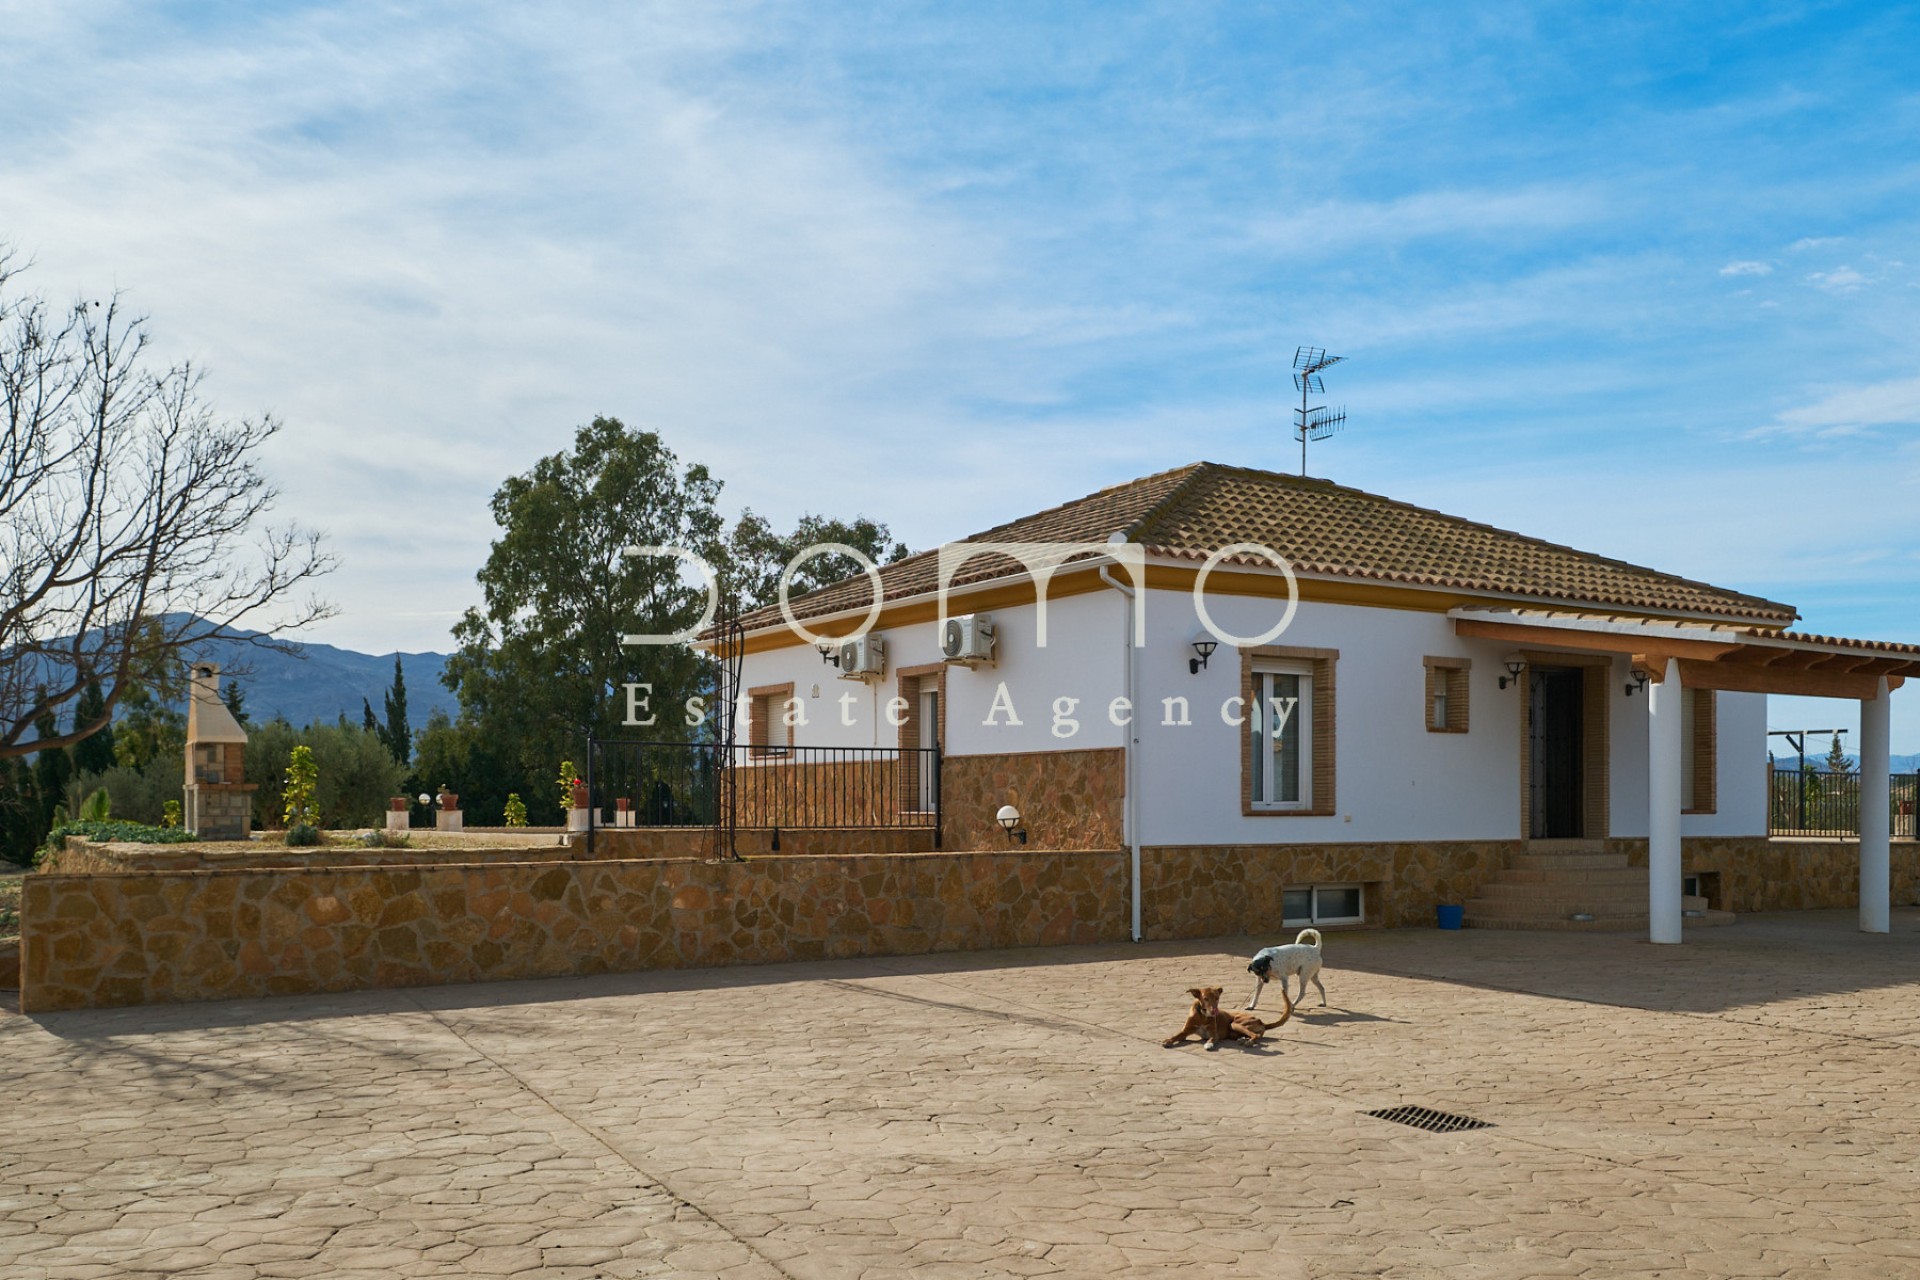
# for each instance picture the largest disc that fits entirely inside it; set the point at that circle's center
(1315, 422)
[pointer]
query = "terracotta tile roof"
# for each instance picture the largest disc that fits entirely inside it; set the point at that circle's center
(1323, 529)
(1842, 642)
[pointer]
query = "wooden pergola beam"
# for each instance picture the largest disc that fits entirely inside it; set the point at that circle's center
(1741, 678)
(1521, 635)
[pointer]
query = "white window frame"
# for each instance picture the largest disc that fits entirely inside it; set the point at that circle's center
(1263, 759)
(1314, 916)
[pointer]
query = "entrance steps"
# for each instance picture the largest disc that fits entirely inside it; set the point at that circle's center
(1557, 880)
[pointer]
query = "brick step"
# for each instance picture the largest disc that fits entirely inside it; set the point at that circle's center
(1575, 875)
(1554, 889)
(1568, 861)
(1555, 884)
(1505, 908)
(1559, 924)
(1566, 844)
(1552, 901)
(1599, 924)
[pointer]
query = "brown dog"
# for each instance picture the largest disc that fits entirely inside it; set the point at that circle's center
(1207, 1021)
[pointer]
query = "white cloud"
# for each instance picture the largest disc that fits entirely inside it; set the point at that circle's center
(1838, 280)
(1477, 213)
(1747, 269)
(1813, 242)
(1895, 402)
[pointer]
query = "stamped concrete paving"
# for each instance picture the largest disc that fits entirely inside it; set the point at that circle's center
(1746, 1105)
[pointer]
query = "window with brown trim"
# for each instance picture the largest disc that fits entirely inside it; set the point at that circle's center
(768, 733)
(1700, 750)
(1446, 703)
(1286, 710)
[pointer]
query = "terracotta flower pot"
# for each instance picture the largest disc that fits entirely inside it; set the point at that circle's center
(397, 804)
(579, 795)
(450, 800)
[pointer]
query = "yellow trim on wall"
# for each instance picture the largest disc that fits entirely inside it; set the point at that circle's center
(1073, 580)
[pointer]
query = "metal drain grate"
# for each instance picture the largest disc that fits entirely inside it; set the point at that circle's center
(1429, 1119)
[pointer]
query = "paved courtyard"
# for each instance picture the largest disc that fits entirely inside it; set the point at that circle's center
(1746, 1105)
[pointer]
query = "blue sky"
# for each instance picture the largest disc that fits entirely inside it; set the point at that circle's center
(1640, 278)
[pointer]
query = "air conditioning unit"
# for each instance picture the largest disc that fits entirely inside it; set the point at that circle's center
(863, 658)
(968, 639)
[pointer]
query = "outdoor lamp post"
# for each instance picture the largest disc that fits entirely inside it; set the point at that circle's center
(1009, 820)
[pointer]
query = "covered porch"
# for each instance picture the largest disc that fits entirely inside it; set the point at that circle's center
(1673, 658)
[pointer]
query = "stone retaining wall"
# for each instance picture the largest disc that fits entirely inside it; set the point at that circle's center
(697, 842)
(160, 936)
(82, 857)
(1785, 873)
(1201, 891)
(198, 933)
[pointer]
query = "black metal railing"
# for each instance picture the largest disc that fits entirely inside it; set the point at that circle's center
(676, 784)
(1828, 804)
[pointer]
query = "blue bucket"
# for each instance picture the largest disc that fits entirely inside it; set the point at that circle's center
(1451, 917)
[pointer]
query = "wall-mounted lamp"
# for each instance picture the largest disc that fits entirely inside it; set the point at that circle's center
(1515, 665)
(1639, 681)
(1009, 820)
(829, 654)
(1203, 644)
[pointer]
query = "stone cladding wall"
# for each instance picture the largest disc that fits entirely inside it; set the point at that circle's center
(1200, 891)
(129, 938)
(1784, 873)
(1069, 799)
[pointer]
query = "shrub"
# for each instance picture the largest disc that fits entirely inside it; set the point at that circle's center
(566, 780)
(97, 807)
(356, 773)
(170, 814)
(302, 835)
(385, 839)
(140, 794)
(110, 833)
(303, 782)
(517, 809)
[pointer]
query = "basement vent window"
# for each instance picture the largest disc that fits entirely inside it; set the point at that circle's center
(1429, 1119)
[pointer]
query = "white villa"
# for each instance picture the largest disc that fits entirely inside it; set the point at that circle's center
(1404, 710)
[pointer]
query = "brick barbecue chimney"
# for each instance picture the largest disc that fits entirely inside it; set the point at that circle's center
(219, 799)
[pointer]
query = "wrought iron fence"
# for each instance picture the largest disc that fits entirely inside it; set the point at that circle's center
(1828, 804)
(676, 784)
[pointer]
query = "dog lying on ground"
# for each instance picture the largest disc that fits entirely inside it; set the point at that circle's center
(1297, 957)
(1207, 1021)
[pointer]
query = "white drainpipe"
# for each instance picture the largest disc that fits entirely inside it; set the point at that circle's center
(1129, 821)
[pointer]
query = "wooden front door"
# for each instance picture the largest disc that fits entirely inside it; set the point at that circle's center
(1556, 771)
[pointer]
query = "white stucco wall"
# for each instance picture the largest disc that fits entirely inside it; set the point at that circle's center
(1395, 780)
(1741, 770)
(1082, 660)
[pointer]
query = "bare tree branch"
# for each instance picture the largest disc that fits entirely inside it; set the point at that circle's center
(133, 518)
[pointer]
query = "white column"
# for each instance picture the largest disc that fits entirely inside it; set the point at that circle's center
(1876, 873)
(1663, 806)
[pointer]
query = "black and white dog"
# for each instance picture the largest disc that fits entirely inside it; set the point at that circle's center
(1301, 956)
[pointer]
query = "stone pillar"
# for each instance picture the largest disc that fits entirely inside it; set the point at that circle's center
(397, 813)
(1876, 864)
(1663, 806)
(448, 819)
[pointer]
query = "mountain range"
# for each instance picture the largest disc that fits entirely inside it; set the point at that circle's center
(322, 682)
